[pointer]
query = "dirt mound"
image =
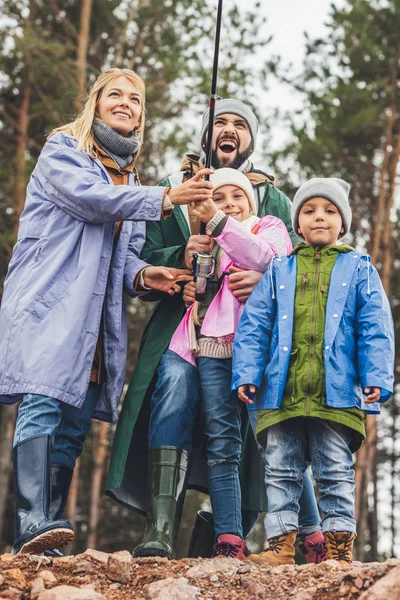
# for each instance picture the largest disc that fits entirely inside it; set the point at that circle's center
(96, 575)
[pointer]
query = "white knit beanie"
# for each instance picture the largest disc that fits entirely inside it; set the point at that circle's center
(226, 176)
(333, 189)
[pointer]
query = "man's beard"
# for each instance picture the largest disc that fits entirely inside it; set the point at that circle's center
(227, 161)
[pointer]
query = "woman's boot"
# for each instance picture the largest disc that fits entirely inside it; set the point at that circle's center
(203, 536)
(60, 483)
(168, 470)
(36, 531)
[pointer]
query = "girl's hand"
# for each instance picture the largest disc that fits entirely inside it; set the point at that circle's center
(165, 279)
(373, 394)
(243, 390)
(205, 210)
(189, 292)
(193, 190)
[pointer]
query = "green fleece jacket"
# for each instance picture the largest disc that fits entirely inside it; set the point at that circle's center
(305, 394)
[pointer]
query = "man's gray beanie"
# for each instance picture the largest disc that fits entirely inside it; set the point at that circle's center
(231, 106)
(333, 189)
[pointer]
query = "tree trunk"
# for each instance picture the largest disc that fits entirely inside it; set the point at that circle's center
(83, 43)
(7, 426)
(99, 462)
(22, 145)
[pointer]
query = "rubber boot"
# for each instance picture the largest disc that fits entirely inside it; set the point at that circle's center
(168, 470)
(339, 546)
(36, 531)
(60, 483)
(280, 551)
(202, 540)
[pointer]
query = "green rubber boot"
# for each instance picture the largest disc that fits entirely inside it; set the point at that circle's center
(168, 470)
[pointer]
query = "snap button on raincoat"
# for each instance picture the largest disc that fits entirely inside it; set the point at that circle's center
(65, 275)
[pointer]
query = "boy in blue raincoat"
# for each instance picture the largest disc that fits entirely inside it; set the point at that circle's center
(316, 346)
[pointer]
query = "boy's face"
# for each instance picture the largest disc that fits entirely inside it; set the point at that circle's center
(320, 222)
(232, 201)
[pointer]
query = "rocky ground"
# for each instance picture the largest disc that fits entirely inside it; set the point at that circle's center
(96, 575)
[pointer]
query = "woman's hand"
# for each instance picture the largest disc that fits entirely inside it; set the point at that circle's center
(193, 190)
(165, 279)
(189, 292)
(205, 210)
(373, 394)
(243, 390)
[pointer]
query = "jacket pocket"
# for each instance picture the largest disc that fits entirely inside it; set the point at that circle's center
(51, 295)
(291, 381)
(323, 282)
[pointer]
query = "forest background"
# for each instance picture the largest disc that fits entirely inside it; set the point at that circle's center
(346, 124)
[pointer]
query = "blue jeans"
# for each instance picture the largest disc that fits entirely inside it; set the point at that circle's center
(287, 446)
(66, 425)
(181, 389)
(309, 517)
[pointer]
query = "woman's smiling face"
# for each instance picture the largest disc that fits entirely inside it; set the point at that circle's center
(120, 106)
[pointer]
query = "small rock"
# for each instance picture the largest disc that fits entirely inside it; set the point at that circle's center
(88, 586)
(115, 586)
(172, 589)
(101, 557)
(68, 592)
(150, 560)
(83, 567)
(393, 562)
(214, 578)
(7, 557)
(246, 568)
(15, 578)
(251, 586)
(1, 579)
(64, 560)
(36, 588)
(359, 583)
(307, 594)
(11, 594)
(206, 567)
(48, 577)
(284, 569)
(119, 566)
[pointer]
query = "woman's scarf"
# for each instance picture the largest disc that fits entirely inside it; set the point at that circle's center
(121, 149)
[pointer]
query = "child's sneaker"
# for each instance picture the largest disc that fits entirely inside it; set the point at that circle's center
(339, 546)
(313, 547)
(231, 546)
(280, 550)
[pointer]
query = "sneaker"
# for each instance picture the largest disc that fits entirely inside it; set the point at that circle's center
(231, 546)
(313, 547)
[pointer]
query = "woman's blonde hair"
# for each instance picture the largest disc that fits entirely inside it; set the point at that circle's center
(81, 127)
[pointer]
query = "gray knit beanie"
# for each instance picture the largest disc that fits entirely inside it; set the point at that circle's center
(333, 189)
(231, 106)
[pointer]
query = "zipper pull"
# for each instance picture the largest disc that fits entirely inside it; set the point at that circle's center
(318, 255)
(305, 278)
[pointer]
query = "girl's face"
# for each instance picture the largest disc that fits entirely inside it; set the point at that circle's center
(320, 222)
(120, 106)
(233, 201)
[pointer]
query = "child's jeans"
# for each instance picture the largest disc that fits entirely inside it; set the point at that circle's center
(66, 425)
(173, 409)
(287, 446)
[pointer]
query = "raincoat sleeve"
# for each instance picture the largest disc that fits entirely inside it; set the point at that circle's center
(73, 181)
(375, 333)
(133, 264)
(253, 335)
(249, 251)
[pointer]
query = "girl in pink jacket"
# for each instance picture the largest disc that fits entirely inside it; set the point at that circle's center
(195, 372)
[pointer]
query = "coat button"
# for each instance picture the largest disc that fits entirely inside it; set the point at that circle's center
(335, 316)
(284, 317)
(285, 348)
(344, 284)
(281, 287)
(152, 212)
(326, 347)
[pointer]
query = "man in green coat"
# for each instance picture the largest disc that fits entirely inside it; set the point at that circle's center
(172, 242)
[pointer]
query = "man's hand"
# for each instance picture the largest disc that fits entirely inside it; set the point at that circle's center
(243, 390)
(189, 292)
(195, 244)
(205, 210)
(373, 394)
(193, 190)
(242, 283)
(165, 279)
